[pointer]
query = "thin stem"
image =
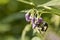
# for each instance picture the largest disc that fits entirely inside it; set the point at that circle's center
(27, 28)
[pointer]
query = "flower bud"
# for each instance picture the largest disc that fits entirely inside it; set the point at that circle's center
(27, 16)
(40, 20)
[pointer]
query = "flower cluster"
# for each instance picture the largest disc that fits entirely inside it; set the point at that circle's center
(36, 20)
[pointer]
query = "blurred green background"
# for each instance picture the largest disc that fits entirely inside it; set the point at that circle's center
(13, 24)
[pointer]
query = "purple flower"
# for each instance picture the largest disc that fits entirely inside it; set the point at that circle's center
(40, 20)
(33, 25)
(33, 20)
(27, 16)
(36, 22)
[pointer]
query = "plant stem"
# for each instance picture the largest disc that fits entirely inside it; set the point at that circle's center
(26, 29)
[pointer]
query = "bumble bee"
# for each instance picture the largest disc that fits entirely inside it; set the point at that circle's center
(44, 26)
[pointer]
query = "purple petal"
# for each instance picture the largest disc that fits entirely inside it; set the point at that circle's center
(33, 20)
(33, 25)
(27, 16)
(40, 20)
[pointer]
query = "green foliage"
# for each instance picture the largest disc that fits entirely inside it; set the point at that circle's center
(12, 17)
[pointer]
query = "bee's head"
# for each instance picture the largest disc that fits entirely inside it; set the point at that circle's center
(44, 26)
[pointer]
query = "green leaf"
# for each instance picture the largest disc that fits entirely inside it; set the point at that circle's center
(9, 37)
(15, 6)
(26, 2)
(2, 2)
(12, 17)
(52, 3)
(55, 11)
(46, 16)
(12, 6)
(37, 2)
(48, 9)
(23, 5)
(4, 27)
